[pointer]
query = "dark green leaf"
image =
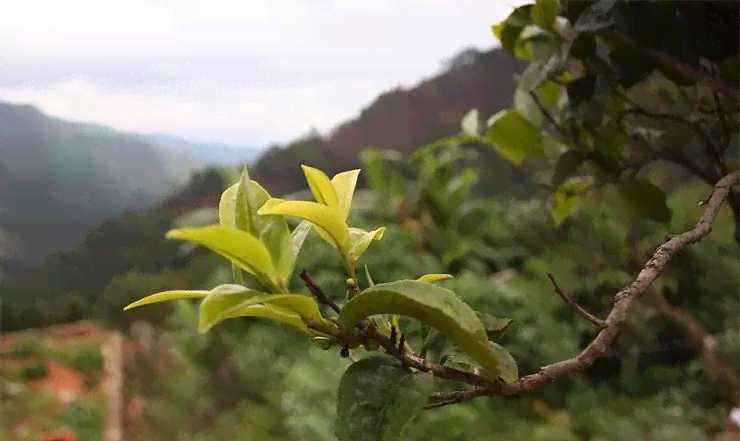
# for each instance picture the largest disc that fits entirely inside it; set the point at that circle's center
(595, 17)
(495, 326)
(376, 399)
(567, 165)
(430, 304)
(646, 198)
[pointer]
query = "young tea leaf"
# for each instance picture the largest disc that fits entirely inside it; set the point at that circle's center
(360, 240)
(433, 305)
(434, 277)
(344, 184)
(327, 219)
(376, 399)
(321, 187)
(243, 249)
(225, 302)
(167, 296)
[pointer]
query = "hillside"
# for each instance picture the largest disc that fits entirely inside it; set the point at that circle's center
(59, 180)
(399, 119)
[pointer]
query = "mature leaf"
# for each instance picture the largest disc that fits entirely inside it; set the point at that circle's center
(327, 219)
(567, 165)
(513, 137)
(565, 205)
(495, 326)
(321, 187)
(167, 296)
(533, 42)
(576, 185)
(595, 17)
(344, 184)
(360, 240)
(527, 107)
(646, 198)
(376, 399)
(430, 304)
(434, 277)
(508, 31)
(544, 12)
(243, 249)
(509, 370)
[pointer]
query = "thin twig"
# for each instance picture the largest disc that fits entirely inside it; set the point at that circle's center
(575, 306)
(318, 292)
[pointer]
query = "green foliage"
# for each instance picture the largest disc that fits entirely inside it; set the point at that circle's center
(33, 371)
(377, 398)
(85, 418)
(432, 305)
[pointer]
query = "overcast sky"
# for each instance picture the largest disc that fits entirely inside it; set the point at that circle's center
(247, 72)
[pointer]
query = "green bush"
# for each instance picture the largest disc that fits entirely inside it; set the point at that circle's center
(33, 371)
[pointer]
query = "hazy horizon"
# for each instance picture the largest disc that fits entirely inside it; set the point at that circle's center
(224, 71)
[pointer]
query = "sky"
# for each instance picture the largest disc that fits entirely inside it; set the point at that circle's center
(244, 72)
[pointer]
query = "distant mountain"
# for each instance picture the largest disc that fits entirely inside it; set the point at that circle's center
(203, 154)
(404, 119)
(59, 180)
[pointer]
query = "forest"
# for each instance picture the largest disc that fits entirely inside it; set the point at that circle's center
(573, 195)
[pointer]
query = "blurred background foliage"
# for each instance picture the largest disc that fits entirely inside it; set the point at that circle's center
(464, 210)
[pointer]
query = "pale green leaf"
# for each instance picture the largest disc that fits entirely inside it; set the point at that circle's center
(272, 312)
(470, 123)
(576, 185)
(527, 107)
(243, 249)
(367, 276)
(513, 137)
(244, 217)
(565, 206)
(327, 220)
(321, 187)
(360, 240)
(377, 398)
(167, 296)
(299, 236)
(344, 184)
(432, 305)
(434, 277)
(229, 301)
(544, 12)
(227, 206)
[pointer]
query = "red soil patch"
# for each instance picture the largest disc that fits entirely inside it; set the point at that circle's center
(60, 380)
(57, 435)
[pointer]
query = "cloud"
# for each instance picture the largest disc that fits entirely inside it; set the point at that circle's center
(239, 71)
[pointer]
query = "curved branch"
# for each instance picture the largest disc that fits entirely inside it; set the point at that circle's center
(619, 313)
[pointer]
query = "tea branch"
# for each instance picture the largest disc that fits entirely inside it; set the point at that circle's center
(623, 302)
